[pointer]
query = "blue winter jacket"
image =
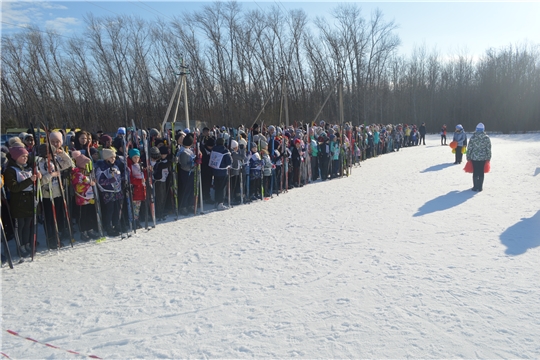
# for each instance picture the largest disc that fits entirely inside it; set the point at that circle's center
(461, 138)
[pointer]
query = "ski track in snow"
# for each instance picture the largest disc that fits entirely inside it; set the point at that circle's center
(398, 260)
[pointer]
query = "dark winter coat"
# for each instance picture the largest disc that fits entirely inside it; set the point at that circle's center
(21, 202)
(109, 181)
(226, 161)
(162, 169)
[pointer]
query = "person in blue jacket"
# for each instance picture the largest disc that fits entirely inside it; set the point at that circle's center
(220, 161)
(461, 138)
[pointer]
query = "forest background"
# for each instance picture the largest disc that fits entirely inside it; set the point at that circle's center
(125, 67)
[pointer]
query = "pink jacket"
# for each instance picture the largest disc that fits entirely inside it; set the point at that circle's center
(84, 194)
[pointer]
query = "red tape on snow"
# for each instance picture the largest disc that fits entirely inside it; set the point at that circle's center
(4, 355)
(46, 344)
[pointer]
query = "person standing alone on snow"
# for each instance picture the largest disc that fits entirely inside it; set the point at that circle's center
(479, 152)
(443, 134)
(422, 131)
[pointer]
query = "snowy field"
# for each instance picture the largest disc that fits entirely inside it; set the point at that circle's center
(399, 260)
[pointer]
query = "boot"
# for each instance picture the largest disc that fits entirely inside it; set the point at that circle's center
(24, 253)
(113, 232)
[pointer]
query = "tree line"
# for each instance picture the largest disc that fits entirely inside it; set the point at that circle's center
(124, 67)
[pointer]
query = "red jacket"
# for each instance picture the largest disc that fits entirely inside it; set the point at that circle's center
(137, 179)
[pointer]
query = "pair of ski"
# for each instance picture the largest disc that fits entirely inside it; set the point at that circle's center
(150, 189)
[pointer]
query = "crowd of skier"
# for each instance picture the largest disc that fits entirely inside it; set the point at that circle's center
(104, 186)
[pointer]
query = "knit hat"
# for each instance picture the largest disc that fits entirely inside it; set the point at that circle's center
(459, 127)
(15, 141)
(234, 144)
(75, 154)
(253, 145)
(480, 127)
(93, 151)
(242, 141)
(107, 153)
(16, 152)
(187, 131)
(188, 140)
(56, 135)
(105, 138)
(121, 131)
(23, 135)
(154, 132)
(134, 152)
(163, 150)
(81, 161)
(154, 153)
(264, 144)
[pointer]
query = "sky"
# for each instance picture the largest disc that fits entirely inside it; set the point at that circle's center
(400, 260)
(450, 28)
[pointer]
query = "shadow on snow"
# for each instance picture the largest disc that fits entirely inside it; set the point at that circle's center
(522, 236)
(537, 171)
(445, 202)
(437, 167)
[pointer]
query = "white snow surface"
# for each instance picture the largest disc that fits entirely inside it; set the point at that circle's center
(399, 260)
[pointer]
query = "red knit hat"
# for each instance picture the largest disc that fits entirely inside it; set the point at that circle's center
(16, 152)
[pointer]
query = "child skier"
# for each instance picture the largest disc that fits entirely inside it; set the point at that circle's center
(267, 171)
(84, 196)
(186, 160)
(18, 179)
(109, 182)
(161, 172)
(255, 174)
(52, 193)
(137, 180)
(220, 161)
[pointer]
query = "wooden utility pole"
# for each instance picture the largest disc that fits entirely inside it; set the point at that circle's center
(285, 97)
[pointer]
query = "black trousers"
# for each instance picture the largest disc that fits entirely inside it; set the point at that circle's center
(87, 217)
(111, 214)
(459, 154)
(187, 191)
(49, 216)
(219, 188)
(206, 178)
(323, 164)
(25, 229)
(161, 198)
(314, 168)
(478, 174)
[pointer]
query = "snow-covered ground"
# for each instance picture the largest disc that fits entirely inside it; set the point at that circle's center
(401, 259)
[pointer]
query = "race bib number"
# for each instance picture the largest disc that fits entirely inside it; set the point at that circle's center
(215, 160)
